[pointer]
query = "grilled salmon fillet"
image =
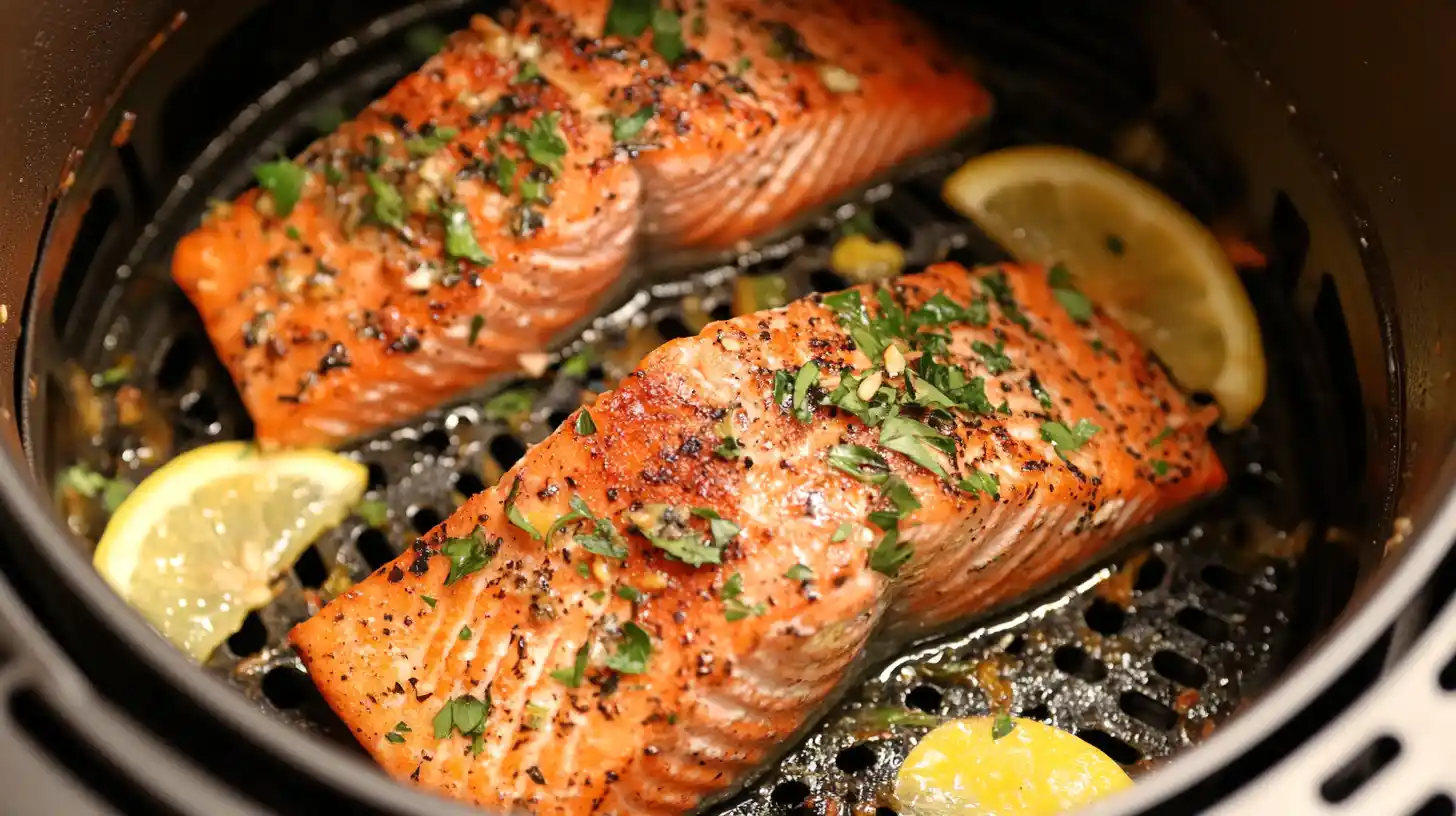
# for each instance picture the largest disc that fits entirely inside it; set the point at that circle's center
(492, 199)
(660, 595)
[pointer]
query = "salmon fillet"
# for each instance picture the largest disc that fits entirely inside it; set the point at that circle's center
(492, 199)
(658, 597)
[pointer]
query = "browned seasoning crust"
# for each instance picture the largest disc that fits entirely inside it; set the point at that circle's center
(724, 549)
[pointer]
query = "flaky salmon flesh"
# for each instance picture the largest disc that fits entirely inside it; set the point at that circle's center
(659, 596)
(493, 199)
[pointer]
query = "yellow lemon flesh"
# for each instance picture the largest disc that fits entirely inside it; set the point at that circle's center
(200, 542)
(1134, 251)
(1034, 770)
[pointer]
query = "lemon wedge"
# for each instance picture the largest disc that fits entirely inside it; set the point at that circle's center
(1006, 766)
(1137, 253)
(200, 542)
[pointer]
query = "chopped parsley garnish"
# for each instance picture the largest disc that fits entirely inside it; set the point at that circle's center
(941, 310)
(889, 555)
(807, 378)
(460, 240)
(634, 651)
(860, 462)
(585, 425)
(544, 143)
(465, 714)
(388, 207)
(727, 443)
(394, 738)
(429, 601)
(722, 530)
(734, 608)
(842, 532)
(468, 554)
(993, 356)
(577, 365)
(293, 233)
(1115, 245)
(603, 539)
(1068, 439)
(514, 514)
(628, 18)
(402, 727)
(783, 388)
(504, 173)
(927, 395)
(283, 181)
(626, 127)
(528, 71)
(430, 143)
(981, 482)
(799, 572)
(900, 497)
(464, 633)
(577, 672)
(629, 593)
(916, 440)
(1039, 391)
(690, 548)
(999, 288)
(510, 403)
(1001, 726)
(1078, 306)
(667, 38)
(476, 324)
(373, 511)
(536, 715)
(598, 596)
(869, 336)
(1160, 468)
(1162, 436)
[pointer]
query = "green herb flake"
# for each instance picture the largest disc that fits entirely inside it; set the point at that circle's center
(477, 322)
(628, 593)
(807, 378)
(1076, 304)
(1162, 436)
(574, 675)
(627, 127)
(842, 532)
(460, 240)
(514, 514)
(733, 587)
(504, 173)
(860, 462)
(722, 530)
(465, 633)
(1001, 726)
(1067, 440)
(468, 554)
(900, 497)
(429, 601)
(603, 539)
(628, 18)
(465, 714)
(374, 512)
(727, 443)
(388, 207)
(598, 596)
(783, 388)
(691, 549)
(527, 72)
(916, 440)
(292, 233)
(667, 38)
(394, 738)
(889, 555)
(999, 289)
(283, 181)
(1042, 395)
(544, 143)
(981, 482)
(734, 608)
(993, 356)
(634, 651)
(585, 425)
(402, 727)
(1160, 468)
(431, 143)
(509, 404)
(799, 572)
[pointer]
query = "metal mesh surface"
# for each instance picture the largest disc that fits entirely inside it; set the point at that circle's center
(1141, 660)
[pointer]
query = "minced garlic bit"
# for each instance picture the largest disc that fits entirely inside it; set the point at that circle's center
(869, 385)
(534, 363)
(838, 80)
(419, 280)
(729, 342)
(858, 259)
(894, 361)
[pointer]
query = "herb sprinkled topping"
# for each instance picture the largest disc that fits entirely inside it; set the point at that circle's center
(460, 240)
(1066, 439)
(625, 128)
(468, 554)
(889, 555)
(799, 572)
(981, 482)
(430, 142)
(727, 443)
(634, 651)
(465, 714)
(574, 674)
(734, 607)
(602, 539)
(585, 425)
(477, 322)
(514, 514)
(388, 207)
(283, 181)
(1077, 305)
(1002, 726)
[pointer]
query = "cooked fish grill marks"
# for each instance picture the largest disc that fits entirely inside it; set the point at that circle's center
(738, 520)
(491, 199)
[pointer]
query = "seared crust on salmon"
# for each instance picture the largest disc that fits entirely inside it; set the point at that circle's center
(657, 597)
(491, 199)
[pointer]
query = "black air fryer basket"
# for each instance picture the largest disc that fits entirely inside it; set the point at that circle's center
(1289, 650)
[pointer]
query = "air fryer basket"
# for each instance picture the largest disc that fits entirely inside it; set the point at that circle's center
(1143, 658)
